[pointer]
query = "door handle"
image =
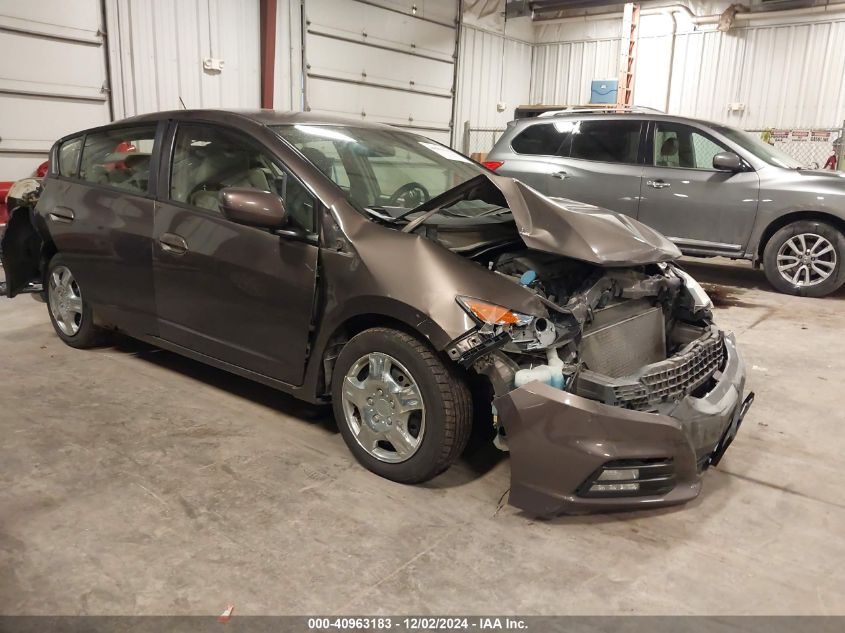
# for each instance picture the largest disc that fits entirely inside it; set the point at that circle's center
(560, 175)
(61, 214)
(657, 184)
(172, 243)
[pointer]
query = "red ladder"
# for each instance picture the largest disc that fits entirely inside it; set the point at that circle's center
(627, 56)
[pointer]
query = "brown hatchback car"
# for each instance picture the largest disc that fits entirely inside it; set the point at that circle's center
(414, 289)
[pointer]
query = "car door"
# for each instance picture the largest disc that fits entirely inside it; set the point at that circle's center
(240, 294)
(602, 166)
(99, 213)
(696, 206)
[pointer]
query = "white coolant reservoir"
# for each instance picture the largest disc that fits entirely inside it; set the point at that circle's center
(543, 373)
(550, 374)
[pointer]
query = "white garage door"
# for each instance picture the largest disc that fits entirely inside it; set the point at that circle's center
(52, 78)
(390, 61)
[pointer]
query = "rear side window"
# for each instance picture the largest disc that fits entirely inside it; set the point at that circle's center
(69, 157)
(119, 158)
(544, 139)
(607, 141)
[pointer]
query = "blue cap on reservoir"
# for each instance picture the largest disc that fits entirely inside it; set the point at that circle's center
(528, 277)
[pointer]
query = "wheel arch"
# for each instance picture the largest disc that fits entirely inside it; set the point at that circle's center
(796, 216)
(399, 317)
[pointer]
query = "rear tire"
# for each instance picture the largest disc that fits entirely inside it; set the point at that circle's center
(70, 313)
(379, 375)
(806, 258)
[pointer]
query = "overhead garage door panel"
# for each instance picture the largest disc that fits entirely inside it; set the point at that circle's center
(52, 78)
(376, 26)
(77, 19)
(344, 60)
(382, 105)
(51, 66)
(383, 63)
(444, 11)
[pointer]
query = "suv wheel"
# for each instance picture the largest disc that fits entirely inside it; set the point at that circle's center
(404, 414)
(805, 258)
(70, 314)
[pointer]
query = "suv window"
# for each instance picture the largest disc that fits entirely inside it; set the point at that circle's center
(119, 158)
(69, 157)
(615, 141)
(544, 139)
(683, 146)
(207, 159)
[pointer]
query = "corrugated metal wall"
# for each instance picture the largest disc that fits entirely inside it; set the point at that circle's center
(157, 47)
(787, 76)
(491, 69)
(287, 89)
(561, 72)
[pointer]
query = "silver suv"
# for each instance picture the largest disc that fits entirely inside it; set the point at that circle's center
(712, 189)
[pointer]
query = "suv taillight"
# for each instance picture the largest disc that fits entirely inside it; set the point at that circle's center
(493, 164)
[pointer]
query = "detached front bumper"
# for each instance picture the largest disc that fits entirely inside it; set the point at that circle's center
(560, 444)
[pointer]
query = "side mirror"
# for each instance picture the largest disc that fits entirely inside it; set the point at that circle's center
(253, 207)
(727, 161)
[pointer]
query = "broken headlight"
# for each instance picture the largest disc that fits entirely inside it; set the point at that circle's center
(492, 314)
(496, 325)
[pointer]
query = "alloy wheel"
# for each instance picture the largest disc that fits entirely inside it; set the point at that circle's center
(383, 407)
(65, 300)
(806, 259)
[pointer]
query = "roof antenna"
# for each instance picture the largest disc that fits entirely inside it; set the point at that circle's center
(184, 107)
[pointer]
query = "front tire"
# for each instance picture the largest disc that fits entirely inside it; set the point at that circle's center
(404, 414)
(70, 313)
(806, 258)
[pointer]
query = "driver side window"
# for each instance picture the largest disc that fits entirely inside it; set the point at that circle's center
(683, 146)
(207, 159)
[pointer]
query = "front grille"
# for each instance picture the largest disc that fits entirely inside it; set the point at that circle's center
(630, 478)
(674, 377)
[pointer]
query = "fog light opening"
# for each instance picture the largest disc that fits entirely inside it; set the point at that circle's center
(611, 474)
(630, 478)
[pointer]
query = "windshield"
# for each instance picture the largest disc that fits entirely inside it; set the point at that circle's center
(386, 170)
(761, 150)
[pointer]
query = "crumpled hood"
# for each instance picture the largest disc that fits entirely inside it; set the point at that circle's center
(564, 227)
(582, 231)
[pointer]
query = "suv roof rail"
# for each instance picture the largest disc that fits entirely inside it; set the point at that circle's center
(608, 110)
(524, 112)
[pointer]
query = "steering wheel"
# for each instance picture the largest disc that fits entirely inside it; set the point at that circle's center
(411, 194)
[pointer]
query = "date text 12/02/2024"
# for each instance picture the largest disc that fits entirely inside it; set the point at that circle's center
(417, 623)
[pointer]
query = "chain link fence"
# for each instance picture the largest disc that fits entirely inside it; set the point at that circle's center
(816, 148)
(480, 140)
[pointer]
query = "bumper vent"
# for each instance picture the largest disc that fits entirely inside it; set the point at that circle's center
(630, 478)
(675, 377)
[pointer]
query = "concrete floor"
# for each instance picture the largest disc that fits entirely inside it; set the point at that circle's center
(133, 481)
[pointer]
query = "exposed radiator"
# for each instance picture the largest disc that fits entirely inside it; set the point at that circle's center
(623, 338)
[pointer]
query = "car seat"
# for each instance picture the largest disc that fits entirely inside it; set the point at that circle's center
(669, 153)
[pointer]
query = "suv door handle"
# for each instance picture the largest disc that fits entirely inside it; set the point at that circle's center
(172, 243)
(560, 175)
(61, 214)
(657, 184)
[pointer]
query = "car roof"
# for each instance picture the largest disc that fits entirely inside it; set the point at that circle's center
(600, 115)
(263, 117)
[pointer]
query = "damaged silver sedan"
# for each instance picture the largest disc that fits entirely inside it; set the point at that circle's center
(418, 292)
